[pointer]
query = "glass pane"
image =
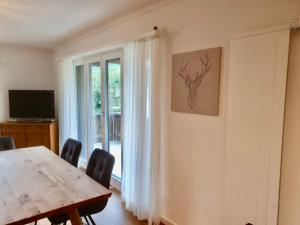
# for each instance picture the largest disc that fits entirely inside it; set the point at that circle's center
(114, 107)
(79, 73)
(96, 98)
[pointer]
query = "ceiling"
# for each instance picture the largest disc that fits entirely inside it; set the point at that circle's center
(46, 23)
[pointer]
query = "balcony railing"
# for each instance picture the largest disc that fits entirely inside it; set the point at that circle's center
(114, 127)
(114, 139)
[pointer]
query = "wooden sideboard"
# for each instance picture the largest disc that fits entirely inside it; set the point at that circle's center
(32, 134)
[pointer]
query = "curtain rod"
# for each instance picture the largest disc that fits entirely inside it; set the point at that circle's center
(151, 33)
(296, 28)
(295, 24)
(111, 46)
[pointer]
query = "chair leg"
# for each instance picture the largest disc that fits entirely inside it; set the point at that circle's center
(35, 222)
(86, 220)
(91, 219)
(65, 223)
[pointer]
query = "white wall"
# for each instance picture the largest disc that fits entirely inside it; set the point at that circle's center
(23, 68)
(193, 163)
(289, 207)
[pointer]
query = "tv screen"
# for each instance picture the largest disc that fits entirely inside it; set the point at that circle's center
(31, 104)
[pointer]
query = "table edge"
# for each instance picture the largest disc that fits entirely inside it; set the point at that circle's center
(63, 209)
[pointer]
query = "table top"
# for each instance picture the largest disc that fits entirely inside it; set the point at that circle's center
(36, 183)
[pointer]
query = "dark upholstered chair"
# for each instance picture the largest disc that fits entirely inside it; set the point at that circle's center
(99, 168)
(7, 143)
(71, 151)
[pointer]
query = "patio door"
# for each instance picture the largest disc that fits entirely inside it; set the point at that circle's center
(114, 112)
(103, 80)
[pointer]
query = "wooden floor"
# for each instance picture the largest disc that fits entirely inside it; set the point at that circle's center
(113, 214)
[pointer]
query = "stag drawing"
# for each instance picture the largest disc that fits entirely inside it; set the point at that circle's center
(193, 84)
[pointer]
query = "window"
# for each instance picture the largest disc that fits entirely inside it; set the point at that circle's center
(113, 70)
(96, 104)
(99, 103)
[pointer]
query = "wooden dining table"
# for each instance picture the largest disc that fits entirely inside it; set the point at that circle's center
(36, 183)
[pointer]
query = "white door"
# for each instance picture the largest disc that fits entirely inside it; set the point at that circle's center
(254, 126)
(289, 207)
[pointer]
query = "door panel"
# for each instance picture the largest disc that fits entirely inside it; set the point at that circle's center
(96, 105)
(290, 174)
(254, 126)
(113, 72)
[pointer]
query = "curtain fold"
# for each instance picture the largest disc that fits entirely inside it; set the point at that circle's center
(84, 112)
(67, 101)
(141, 139)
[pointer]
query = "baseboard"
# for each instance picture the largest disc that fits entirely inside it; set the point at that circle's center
(165, 221)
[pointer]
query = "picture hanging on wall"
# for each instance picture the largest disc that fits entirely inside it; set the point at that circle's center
(196, 81)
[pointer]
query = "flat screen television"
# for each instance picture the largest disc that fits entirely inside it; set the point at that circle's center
(31, 104)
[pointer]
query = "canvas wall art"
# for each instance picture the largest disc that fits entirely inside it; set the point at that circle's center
(196, 81)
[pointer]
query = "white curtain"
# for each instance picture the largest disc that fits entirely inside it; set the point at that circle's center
(141, 139)
(67, 101)
(86, 124)
(75, 106)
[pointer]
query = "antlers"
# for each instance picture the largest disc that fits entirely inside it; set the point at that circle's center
(182, 70)
(206, 68)
(192, 85)
(185, 75)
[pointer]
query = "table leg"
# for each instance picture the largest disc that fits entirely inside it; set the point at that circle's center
(74, 217)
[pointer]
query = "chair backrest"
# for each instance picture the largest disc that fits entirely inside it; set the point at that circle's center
(100, 167)
(7, 143)
(71, 151)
